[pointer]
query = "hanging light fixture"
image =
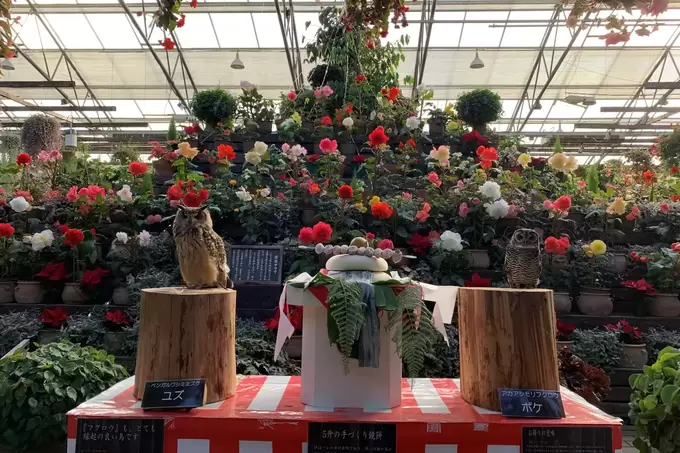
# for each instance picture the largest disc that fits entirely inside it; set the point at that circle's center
(71, 139)
(477, 63)
(237, 63)
(7, 65)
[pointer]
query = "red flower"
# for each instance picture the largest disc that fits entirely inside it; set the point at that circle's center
(53, 271)
(674, 246)
(190, 130)
(194, 199)
(23, 159)
(175, 192)
(314, 189)
(385, 244)
(292, 95)
(564, 330)
(137, 168)
(226, 152)
(117, 317)
(313, 158)
(326, 121)
(554, 245)
(563, 203)
(419, 243)
(377, 138)
(73, 237)
(474, 136)
(322, 232)
(665, 208)
(370, 236)
(649, 177)
(392, 94)
(54, 317)
(92, 278)
(63, 228)
(359, 159)
(345, 192)
(411, 143)
(168, 44)
(327, 145)
(194, 3)
(360, 78)
(674, 169)
(478, 282)
(306, 235)
(180, 22)
(6, 230)
(487, 156)
(639, 285)
(381, 210)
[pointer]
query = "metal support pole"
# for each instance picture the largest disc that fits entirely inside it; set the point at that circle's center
(292, 49)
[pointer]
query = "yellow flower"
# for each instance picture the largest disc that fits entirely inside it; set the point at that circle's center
(618, 206)
(235, 209)
(598, 247)
(558, 161)
(361, 207)
(571, 164)
(296, 117)
(589, 254)
(233, 182)
(186, 150)
(449, 108)
(441, 154)
(375, 199)
(261, 148)
(524, 160)
(253, 157)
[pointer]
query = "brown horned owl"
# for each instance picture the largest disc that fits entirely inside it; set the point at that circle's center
(523, 259)
(200, 251)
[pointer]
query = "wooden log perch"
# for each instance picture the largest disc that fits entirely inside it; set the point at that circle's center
(188, 334)
(507, 340)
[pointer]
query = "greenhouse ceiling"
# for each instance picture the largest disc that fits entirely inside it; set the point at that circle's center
(564, 78)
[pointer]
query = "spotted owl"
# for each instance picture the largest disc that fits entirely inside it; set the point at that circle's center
(200, 251)
(523, 259)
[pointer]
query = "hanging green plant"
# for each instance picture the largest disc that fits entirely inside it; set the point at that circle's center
(479, 107)
(669, 148)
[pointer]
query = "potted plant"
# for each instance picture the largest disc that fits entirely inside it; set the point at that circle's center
(293, 346)
(213, 107)
(479, 107)
(127, 258)
(641, 289)
(115, 321)
(663, 272)
(29, 258)
(634, 351)
(79, 249)
(582, 378)
(53, 320)
(557, 278)
(256, 111)
(564, 331)
(589, 266)
(439, 118)
(6, 283)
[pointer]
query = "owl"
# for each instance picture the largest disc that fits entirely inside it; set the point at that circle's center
(200, 251)
(523, 259)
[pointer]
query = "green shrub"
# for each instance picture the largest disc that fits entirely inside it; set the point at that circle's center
(323, 74)
(37, 388)
(214, 106)
(255, 351)
(597, 347)
(658, 338)
(16, 326)
(479, 107)
(655, 404)
(443, 361)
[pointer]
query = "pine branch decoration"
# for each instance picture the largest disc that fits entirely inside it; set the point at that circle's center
(346, 307)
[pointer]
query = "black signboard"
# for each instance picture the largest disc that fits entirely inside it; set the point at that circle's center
(352, 438)
(119, 435)
(566, 439)
(531, 403)
(256, 264)
(177, 394)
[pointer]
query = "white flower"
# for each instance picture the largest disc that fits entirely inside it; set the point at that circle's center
(348, 122)
(287, 123)
(122, 237)
(265, 192)
(373, 115)
(247, 86)
(41, 240)
(451, 241)
(243, 195)
(125, 193)
(296, 151)
(491, 190)
(412, 122)
(260, 148)
(144, 238)
(498, 209)
(252, 157)
(19, 204)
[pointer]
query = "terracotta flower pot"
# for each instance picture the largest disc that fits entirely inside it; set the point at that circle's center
(596, 304)
(294, 347)
(663, 305)
(121, 296)
(73, 294)
(633, 356)
(479, 259)
(7, 292)
(564, 344)
(163, 168)
(28, 292)
(562, 302)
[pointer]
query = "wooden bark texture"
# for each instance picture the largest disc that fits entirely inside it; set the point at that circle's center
(507, 340)
(188, 334)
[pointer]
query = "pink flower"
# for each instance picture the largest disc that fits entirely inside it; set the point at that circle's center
(174, 203)
(72, 194)
(406, 195)
(512, 211)
(154, 219)
(385, 244)
(434, 236)
(460, 184)
(434, 178)
(665, 208)
(326, 90)
(463, 210)
(581, 184)
(285, 147)
(292, 182)
(476, 200)
(318, 94)
(328, 146)
(423, 214)
(547, 204)
(291, 96)
(281, 196)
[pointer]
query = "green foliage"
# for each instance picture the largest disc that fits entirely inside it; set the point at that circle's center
(124, 154)
(214, 106)
(346, 309)
(479, 107)
(322, 74)
(86, 329)
(597, 347)
(255, 351)
(172, 130)
(669, 147)
(40, 133)
(593, 179)
(662, 270)
(658, 338)
(655, 404)
(37, 388)
(253, 107)
(16, 326)
(442, 360)
(10, 147)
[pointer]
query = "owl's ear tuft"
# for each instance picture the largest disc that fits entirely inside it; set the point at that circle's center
(203, 208)
(181, 207)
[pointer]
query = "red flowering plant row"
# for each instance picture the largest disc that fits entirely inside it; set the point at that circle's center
(58, 317)
(627, 333)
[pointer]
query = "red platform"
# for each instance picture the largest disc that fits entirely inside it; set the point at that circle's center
(266, 416)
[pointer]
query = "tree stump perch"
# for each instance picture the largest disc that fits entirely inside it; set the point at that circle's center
(507, 340)
(188, 334)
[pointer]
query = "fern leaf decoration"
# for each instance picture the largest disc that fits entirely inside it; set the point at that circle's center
(346, 307)
(417, 331)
